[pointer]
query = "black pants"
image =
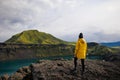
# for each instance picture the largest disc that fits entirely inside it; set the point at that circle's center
(82, 62)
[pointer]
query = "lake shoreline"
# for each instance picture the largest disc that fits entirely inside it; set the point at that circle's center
(61, 69)
(16, 64)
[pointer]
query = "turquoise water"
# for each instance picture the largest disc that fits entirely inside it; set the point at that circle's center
(11, 66)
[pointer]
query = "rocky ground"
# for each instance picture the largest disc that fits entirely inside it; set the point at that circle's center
(62, 70)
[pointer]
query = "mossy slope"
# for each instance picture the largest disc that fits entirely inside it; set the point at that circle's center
(34, 37)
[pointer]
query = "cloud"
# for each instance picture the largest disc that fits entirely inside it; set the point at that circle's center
(102, 18)
(62, 18)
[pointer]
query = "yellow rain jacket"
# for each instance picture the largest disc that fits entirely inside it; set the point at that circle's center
(81, 49)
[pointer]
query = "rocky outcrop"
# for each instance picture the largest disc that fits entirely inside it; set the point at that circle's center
(5, 77)
(62, 70)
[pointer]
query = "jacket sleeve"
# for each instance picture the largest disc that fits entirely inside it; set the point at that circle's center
(76, 47)
(86, 46)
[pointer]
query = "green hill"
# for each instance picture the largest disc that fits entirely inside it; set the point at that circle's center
(99, 50)
(34, 37)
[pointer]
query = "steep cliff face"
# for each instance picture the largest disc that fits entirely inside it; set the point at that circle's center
(62, 70)
(23, 51)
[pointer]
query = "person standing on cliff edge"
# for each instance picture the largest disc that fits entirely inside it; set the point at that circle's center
(80, 52)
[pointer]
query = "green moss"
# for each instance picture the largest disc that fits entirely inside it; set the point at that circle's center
(35, 37)
(99, 50)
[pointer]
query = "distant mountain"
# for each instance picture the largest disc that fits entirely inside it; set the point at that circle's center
(111, 44)
(34, 37)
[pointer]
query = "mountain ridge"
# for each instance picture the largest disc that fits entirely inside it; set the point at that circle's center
(33, 37)
(111, 44)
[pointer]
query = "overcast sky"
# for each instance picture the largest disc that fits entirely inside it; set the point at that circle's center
(99, 20)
